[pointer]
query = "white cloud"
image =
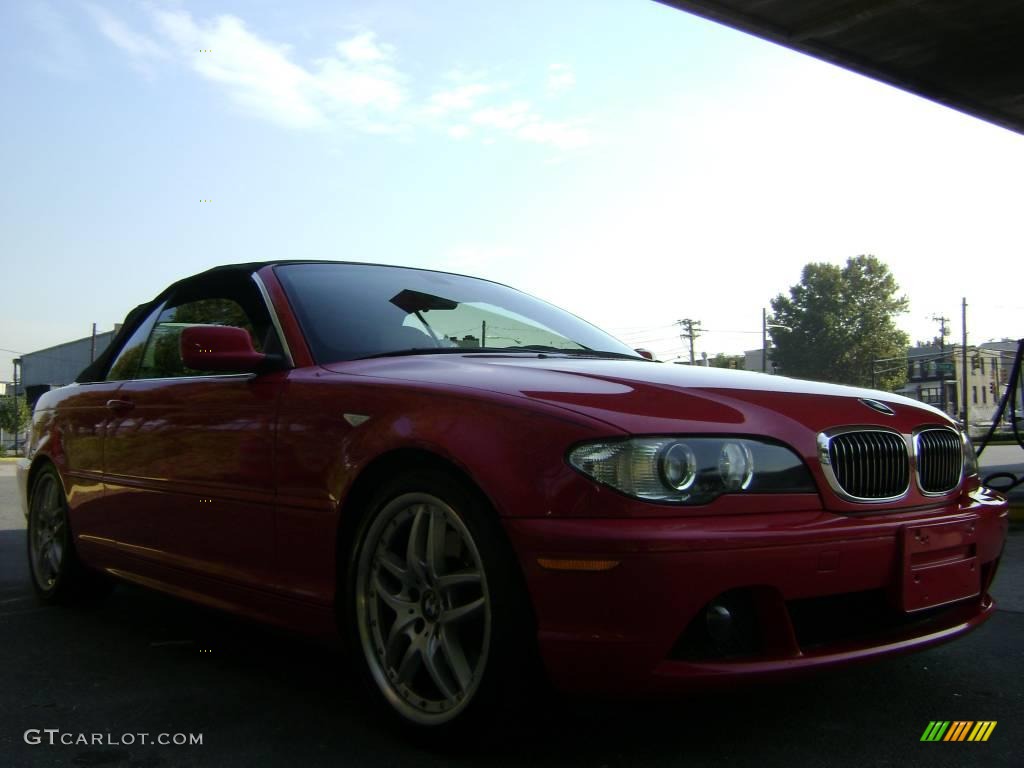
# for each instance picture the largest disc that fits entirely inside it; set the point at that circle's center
(117, 32)
(560, 78)
(507, 118)
(461, 97)
(364, 48)
(261, 76)
(343, 86)
(363, 77)
(359, 85)
(257, 75)
(521, 121)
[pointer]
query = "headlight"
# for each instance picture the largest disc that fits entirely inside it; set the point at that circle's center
(970, 457)
(692, 470)
(678, 465)
(736, 466)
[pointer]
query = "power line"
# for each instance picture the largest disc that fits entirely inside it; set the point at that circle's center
(642, 328)
(40, 356)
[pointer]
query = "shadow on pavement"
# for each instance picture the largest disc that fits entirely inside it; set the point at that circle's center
(143, 662)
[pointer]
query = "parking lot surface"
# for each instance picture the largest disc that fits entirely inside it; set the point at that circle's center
(140, 662)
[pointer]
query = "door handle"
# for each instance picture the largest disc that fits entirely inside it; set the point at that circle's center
(120, 406)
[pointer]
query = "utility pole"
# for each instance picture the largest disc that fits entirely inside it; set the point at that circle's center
(963, 364)
(765, 325)
(92, 346)
(764, 340)
(941, 320)
(691, 332)
(17, 362)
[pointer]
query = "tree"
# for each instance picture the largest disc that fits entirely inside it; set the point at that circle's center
(722, 360)
(11, 419)
(842, 319)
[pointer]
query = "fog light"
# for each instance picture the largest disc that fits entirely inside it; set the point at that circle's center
(719, 623)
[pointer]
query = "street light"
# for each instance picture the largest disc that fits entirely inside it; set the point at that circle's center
(765, 325)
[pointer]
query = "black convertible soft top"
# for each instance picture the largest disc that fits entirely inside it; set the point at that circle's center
(97, 369)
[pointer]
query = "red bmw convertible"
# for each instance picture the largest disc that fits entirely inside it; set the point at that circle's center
(468, 483)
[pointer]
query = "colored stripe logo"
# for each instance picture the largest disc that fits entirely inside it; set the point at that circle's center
(958, 730)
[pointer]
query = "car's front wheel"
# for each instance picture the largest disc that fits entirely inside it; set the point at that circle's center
(439, 617)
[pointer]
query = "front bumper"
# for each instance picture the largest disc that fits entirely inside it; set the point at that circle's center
(813, 589)
(21, 471)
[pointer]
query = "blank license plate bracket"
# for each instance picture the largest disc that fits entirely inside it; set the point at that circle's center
(940, 565)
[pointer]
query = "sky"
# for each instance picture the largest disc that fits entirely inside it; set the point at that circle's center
(624, 160)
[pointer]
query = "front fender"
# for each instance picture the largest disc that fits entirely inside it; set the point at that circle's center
(332, 427)
(330, 430)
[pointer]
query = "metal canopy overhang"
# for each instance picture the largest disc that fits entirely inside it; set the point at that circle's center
(965, 55)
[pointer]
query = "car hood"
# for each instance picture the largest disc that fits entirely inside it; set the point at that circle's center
(642, 397)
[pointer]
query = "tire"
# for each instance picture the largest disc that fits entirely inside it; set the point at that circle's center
(442, 636)
(58, 576)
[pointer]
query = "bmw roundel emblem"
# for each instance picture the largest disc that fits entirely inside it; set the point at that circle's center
(876, 405)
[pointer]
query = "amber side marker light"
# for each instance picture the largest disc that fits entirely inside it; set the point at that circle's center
(557, 564)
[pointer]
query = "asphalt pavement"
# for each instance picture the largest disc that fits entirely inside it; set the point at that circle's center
(141, 662)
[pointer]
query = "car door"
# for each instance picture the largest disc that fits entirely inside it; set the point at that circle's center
(199, 446)
(103, 519)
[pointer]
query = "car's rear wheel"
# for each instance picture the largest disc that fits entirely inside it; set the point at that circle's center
(436, 607)
(57, 573)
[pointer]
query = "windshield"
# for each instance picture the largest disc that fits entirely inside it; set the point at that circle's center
(350, 311)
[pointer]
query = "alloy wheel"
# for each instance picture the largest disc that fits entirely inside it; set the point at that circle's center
(423, 608)
(48, 533)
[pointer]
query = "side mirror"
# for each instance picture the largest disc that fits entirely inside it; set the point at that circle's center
(220, 348)
(644, 353)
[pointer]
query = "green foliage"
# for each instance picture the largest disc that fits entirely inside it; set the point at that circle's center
(211, 312)
(14, 419)
(842, 319)
(722, 360)
(127, 363)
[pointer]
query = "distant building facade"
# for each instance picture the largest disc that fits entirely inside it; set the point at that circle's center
(59, 365)
(753, 360)
(935, 376)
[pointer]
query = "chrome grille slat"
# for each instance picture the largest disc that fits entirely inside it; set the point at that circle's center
(939, 460)
(879, 466)
(869, 464)
(894, 457)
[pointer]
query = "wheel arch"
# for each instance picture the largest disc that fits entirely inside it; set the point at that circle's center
(398, 460)
(39, 463)
(376, 471)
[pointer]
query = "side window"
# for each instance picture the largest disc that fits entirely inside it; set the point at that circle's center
(162, 356)
(126, 364)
